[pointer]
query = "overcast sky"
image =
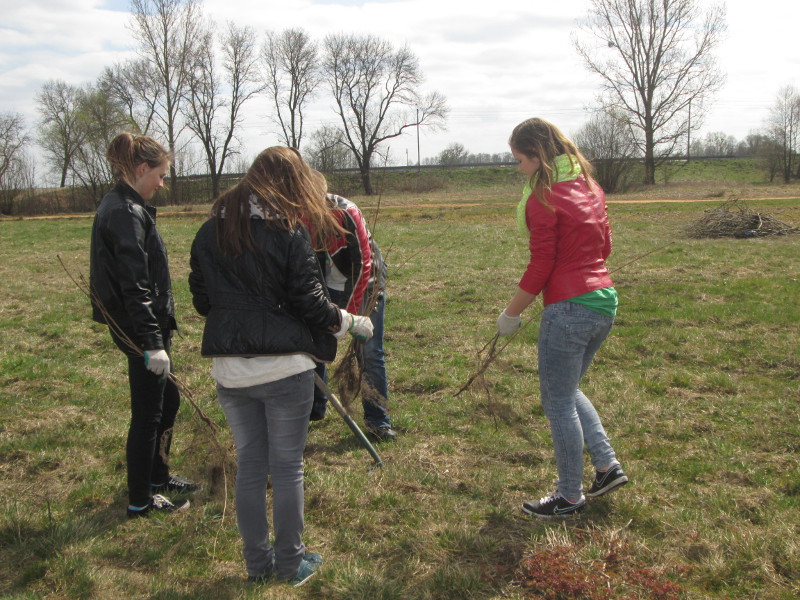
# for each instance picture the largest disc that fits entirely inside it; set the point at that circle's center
(497, 63)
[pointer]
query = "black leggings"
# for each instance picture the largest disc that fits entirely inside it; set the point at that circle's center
(154, 404)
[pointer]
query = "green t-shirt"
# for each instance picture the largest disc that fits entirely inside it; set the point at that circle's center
(603, 301)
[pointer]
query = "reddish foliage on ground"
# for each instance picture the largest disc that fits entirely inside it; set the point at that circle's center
(559, 574)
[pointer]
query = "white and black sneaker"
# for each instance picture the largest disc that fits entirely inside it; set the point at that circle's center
(158, 504)
(554, 506)
(605, 482)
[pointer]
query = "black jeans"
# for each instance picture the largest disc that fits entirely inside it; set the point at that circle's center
(154, 404)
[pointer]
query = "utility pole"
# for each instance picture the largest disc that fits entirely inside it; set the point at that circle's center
(689, 134)
(419, 162)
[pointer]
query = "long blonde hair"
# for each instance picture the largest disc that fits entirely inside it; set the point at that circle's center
(537, 138)
(128, 150)
(283, 185)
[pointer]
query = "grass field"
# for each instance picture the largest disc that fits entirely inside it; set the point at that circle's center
(697, 386)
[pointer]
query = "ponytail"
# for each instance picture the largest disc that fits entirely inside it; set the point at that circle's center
(128, 150)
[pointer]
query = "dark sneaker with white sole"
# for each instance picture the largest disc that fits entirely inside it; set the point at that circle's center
(382, 434)
(554, 506)
(158, 504)
(176, 485)
(605, 482)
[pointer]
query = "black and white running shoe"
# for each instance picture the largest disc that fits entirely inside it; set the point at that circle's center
(605, 482)
(554, 506)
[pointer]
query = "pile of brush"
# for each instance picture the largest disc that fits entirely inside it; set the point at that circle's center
(733, 218)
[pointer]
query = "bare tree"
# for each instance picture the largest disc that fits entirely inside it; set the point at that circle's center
(454, 154)
(752, 143)
(13, 161)
(375, 89)
(327, 151)
(103, 117)
(291, 76)
(134, 85)
(656, 61)
(168, 32)
(17, 187)
(784, 129)
(719, 143)
(61, 129)
(212, 115)
(13, 138)
(607, 141)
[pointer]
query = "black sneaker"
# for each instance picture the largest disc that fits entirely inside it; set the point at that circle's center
(175, 484)
(553, 506)
(382, 434)
(318, 411)
(605, 482)
(159, 504)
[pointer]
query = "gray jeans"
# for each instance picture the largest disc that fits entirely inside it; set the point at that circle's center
(270, 425)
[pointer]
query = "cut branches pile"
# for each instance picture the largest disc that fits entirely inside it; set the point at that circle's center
(733, 218)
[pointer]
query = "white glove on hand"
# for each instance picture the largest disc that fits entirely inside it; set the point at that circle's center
(360, 328)
(156, 361)
(508, 325)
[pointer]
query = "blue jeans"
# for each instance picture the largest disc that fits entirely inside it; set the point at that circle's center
(270, 425)
(569, 336)
(375, 395)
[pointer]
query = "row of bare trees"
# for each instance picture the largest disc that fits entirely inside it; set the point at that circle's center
(190, 83)
(191, 80)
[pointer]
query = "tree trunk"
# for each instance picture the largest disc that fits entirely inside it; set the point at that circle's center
(64, 170)
(366, 180)
(649, 155)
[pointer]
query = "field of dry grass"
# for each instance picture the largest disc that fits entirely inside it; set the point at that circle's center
(698, 387)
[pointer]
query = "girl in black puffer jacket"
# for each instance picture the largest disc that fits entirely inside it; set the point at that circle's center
(256, 279)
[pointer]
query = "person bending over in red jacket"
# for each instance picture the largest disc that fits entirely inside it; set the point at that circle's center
(563, 213)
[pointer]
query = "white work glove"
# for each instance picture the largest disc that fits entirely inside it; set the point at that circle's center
(156, 361)
(508, 325)
(360, 327)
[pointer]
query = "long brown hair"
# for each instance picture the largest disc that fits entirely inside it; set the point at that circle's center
(537, 138)
(128, 150)
(283, 185)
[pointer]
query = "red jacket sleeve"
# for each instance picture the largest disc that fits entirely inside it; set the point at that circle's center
(361, 258)
(542, 224)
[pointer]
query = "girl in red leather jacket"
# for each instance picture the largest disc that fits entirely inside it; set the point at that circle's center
(563, 212)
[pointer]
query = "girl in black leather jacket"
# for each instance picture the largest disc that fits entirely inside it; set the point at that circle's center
(256, 279)
(132, 294)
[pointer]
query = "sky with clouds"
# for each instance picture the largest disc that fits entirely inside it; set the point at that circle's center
(497, 63)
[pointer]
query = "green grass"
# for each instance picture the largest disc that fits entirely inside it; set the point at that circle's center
(697, 386)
